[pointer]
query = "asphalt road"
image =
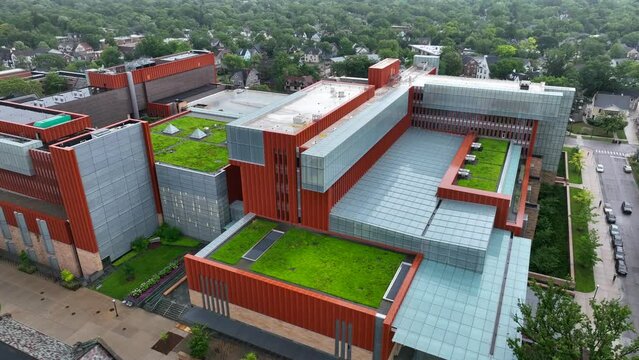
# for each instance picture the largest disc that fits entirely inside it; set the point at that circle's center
(618, 186)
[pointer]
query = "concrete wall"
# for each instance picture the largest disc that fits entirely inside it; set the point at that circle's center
(195, 202)
(117, 182)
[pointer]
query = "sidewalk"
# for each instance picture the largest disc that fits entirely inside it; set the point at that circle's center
(605, 269)
(72, 316)
(631, 130)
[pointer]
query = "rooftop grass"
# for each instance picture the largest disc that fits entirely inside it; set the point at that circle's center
(584, 275)
(207, 155)
(231, 251)
(195, 155)
(345, 269)
(188, 124)
(486, 171)
(144, 265)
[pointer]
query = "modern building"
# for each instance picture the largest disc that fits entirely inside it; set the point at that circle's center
(422, 183)
(72, 196)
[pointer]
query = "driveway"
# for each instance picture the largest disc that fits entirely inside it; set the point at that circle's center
(72, 316)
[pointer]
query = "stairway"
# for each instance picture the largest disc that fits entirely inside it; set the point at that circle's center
(170, 309)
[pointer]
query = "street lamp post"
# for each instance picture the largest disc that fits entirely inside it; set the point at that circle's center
(115, 307)
(596, 289)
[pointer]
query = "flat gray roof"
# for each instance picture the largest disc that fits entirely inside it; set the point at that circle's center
(22, 116)
(234, 103)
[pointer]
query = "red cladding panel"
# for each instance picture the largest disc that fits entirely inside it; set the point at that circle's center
(74, 198)
(158, 110)
(304, 308)
(257, 189)
(43, 185)
(173, 67)
(107, 81)
(380, 74)
(167, 119)
(49, 135)
(58, 228)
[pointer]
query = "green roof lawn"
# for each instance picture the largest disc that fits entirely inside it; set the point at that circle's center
(346, 269)
(207, 155)
(485, 173)
(232, 250)
(144, 265)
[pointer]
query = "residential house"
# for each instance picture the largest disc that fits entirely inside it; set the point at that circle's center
(360, 49)
(245, 78)
(435, 50)
(249, 53)
(217, 43)
(296, 83)
(317, 37)
(219, 56)
(612, 104)
(476, 67)
(5, 57)
(246, 32)
(633, 54)
(313, 55)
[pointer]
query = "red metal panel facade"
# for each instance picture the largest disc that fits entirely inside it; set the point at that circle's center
(107, 81)
(304, 308)
(158, 110)
(381, 76)
(49, 135)
(146, 129)
(173, 67)
(58, 228)
(43, 185)
(74, 198)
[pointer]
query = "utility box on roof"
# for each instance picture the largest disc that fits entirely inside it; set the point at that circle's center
(53, 121)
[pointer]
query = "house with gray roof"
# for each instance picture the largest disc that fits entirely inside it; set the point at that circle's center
(603, 103)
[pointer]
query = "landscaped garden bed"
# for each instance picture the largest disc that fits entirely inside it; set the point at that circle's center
(148, 265)
(550, 251)
(587, 129)
(231, 252)
(486, 171)
(584, 274)
(574, 173)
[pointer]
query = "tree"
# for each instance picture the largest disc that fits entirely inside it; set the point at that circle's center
(557, 328)
(597, 75)
(152, 46)
(505, 51)
(199, 343)
(611, 123)
(617, 50)
(17, 87)
(528, 48)
(504, 67)
(584, 199)
(590, 48)
(577, 160)
(554, 327)
(356, 66)
(557, 81)
(49, 62)
(111, 56)
(450, 62)
(234, 63)
(587, 251)
(53, 83)
(19, 45)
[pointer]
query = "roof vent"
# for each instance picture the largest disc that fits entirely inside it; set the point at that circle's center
(476, 146)
(298, 119)
(524, 85)
(463, 173)
(197, 134)
(470, 159)
(341, 94)
(316, 117)
(170, 130)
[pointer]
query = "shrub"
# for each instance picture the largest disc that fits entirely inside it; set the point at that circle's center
(250, 356)
(66, 275)
(129, 272)
(26, 264)
(199, 343)
(164, 336)
(168, 233)
(140, 244)
(154, 279)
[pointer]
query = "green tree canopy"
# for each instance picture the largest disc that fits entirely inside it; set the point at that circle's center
(18, 87)
(356, 66)
(48, 62)
(111, 56)
(505, 51)
(450, 62)
(502, 68)
(53, 83)
(234, 62)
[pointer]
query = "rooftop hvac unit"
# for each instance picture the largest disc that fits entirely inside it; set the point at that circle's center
(341, 94)
(316, 117)
(463, 173)
(470, 159)
(524, 85)
(58, 99)
(298, 119)
(78, 94)
(38, 103)
(476, 146)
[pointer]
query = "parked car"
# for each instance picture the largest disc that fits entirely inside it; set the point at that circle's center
(614, 230)
(626, 208)
(627, 169)
(607, 208)
(600, 168)
(619, 253)
(611, 218)
(621, 268)
(615, 240)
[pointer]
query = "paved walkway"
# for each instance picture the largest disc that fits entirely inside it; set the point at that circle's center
(72, 316)
(604, 269)
(631, 129)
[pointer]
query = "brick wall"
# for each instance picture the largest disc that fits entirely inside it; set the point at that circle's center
(533, 215)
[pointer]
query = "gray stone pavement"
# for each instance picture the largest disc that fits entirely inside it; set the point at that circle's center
(72, 316)
(631, 129)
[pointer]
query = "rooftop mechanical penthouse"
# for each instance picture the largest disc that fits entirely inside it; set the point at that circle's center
(383, 218)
